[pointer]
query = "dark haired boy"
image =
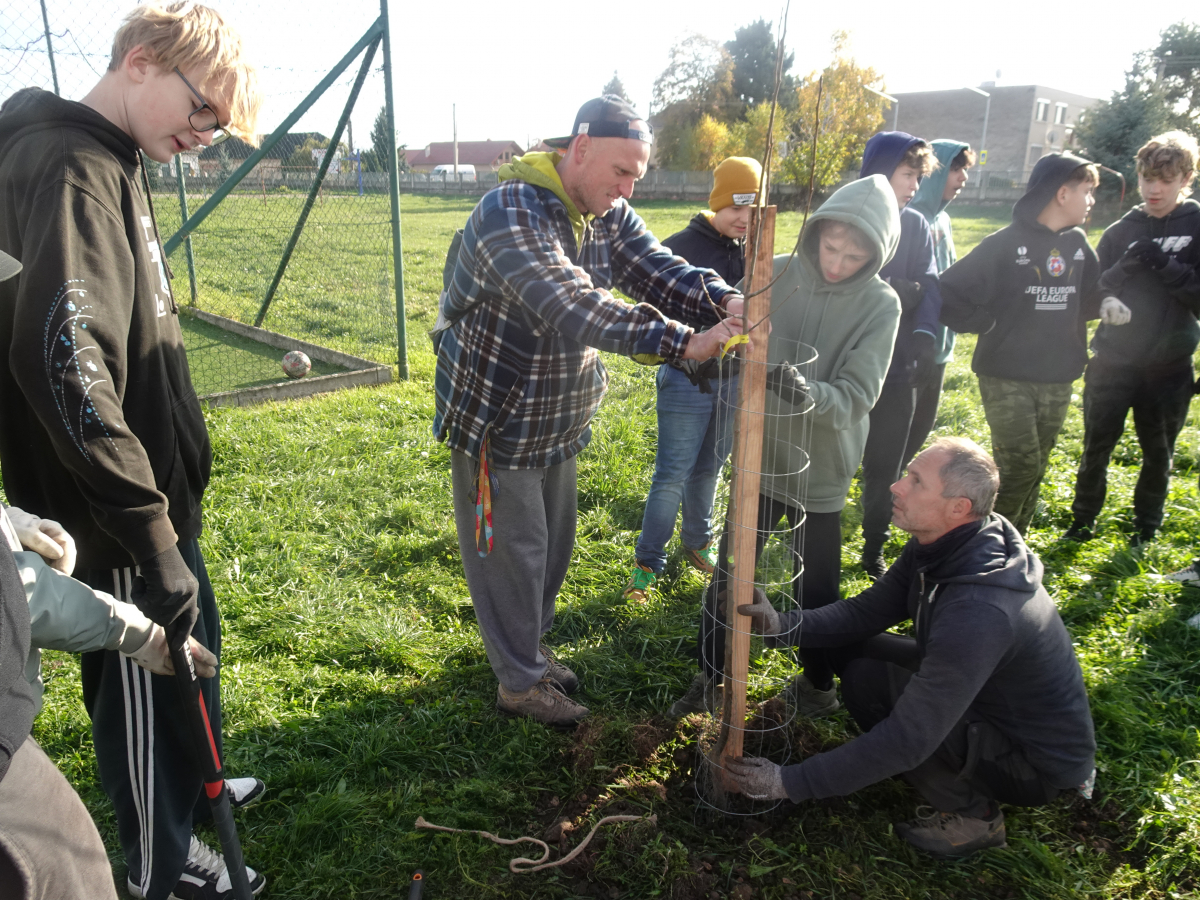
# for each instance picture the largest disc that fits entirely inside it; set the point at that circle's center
(1028, 291)
(1142, 351)
(935, 194)
(904, 160)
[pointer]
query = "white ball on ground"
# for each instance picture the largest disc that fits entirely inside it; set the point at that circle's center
(296, 364)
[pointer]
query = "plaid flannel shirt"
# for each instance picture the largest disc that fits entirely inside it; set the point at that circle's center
(531, 312)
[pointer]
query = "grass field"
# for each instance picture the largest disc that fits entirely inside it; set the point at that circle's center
(356, 685)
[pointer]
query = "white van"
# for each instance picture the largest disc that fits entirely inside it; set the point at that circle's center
(466, 171)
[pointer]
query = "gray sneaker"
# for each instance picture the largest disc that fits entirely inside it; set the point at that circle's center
(1188, 576)
(703, 695)
(567, 681)
(544, 702)
(951, 836)
(809, 701)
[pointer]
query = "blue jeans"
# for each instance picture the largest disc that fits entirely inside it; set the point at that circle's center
(692, 447)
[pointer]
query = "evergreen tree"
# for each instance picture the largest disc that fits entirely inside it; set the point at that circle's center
(617, 88)
(753, 51)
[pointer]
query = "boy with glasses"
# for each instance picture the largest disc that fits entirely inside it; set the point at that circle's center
(100, 427)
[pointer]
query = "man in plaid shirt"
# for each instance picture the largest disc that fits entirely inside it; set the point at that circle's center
(519, 377)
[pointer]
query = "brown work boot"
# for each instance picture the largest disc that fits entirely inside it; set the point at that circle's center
(951, 836)
(544, 702)
(567, 681)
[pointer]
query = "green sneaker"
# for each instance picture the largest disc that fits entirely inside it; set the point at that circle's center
(641, 579)
(704, 559)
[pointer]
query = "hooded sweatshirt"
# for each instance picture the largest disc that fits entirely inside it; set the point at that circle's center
(17, 703)
(929, 203)
(530, 303)
(1162, 331)
(100, 427)
(702, 245)
(810, 460)
(913, 260)
(1027, 291)
(991, 644)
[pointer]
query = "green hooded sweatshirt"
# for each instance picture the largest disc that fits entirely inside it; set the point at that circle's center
(810, 459)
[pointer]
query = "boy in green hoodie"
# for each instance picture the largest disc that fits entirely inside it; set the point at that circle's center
(828, 298)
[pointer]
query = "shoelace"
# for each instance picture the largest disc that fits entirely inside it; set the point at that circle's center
(206, 859)
(935, 818)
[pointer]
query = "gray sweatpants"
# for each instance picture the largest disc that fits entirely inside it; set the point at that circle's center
(514, 587)
(49, 847)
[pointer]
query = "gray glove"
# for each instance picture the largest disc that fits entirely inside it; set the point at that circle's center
(155, 656)
(764, 618)
(46, 538)
(757, 778)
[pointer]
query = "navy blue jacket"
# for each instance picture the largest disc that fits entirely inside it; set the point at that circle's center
(706, 248)
(914, 259)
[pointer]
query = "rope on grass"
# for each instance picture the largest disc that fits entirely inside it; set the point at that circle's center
(520, 864)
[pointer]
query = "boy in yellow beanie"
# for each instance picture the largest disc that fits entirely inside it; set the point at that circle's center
(693, 439)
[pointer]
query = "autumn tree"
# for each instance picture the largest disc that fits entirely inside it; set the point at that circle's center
(1177, 70)
(847, 116)
(698, 80)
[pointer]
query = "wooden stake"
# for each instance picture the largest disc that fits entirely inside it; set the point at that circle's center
(747, 464)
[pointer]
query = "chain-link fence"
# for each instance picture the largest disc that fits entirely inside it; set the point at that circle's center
(338, 290)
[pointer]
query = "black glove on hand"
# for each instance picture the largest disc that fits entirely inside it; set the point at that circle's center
(925, 354)
(910, 293)
(787, 383)
(1149, 254)
(700, 373)
(166, 591)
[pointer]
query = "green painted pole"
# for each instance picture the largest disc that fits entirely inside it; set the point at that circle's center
(316, 185)
(276, 136)
(393, 166)
(50, 48)
(183, 214)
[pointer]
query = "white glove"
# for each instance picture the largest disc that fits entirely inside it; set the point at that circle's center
(765, 618)
(156, 656)
(1114, 312)
(46, 538)
(757, 778)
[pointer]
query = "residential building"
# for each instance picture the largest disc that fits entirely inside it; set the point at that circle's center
(1024, 122)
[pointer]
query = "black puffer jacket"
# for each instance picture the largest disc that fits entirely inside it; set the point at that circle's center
(1162, 330)
(991, 640)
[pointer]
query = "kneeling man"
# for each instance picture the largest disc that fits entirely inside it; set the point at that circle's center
(984, 705)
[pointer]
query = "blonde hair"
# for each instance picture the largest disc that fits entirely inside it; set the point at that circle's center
(1167, 156)
(186, 35)
(920, 157)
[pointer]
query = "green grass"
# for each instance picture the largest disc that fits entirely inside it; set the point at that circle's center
(222, 361)
(356, 684)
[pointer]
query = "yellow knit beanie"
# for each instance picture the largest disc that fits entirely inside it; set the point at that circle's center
(735, 183)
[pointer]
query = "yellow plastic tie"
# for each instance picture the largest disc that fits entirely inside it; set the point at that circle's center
(733, 342)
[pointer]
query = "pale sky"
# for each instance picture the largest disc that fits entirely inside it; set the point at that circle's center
(520, 71)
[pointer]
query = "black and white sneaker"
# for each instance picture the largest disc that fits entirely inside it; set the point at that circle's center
(244, 792)
(205, 877)
(1189, 576)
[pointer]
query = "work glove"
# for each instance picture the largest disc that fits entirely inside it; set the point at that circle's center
(924, 356)
(166, 591)
(787, 383)
(757, 778)
(701, 373)
(1114, 312)
(1149, 253)
(763, 617)
(46, 538)
(911, 293)
(155, 655)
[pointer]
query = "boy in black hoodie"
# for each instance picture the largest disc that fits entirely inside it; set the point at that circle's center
(100, 427)
(1142, 351)
(1028, 291)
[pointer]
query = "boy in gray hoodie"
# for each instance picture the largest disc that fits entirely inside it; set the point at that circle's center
(827, 298)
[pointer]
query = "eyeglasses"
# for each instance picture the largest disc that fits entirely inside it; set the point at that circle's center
(205, 117)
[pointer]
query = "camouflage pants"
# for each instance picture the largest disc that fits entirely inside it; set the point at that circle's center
(1025, 418)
